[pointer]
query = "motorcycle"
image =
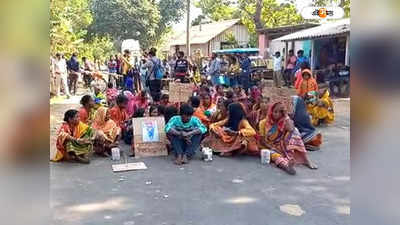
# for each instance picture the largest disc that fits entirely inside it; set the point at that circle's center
(339, 82)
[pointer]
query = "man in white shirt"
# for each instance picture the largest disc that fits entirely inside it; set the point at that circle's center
(277, 75)
(61, 73)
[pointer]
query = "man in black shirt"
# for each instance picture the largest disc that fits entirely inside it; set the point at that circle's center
(181, 67)
(74, 71)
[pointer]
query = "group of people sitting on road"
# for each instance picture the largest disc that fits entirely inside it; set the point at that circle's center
(231, 121)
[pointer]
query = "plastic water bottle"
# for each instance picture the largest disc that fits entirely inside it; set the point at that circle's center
(115, 152)
(265, 156)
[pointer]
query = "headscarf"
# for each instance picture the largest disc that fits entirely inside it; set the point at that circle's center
(131, 102)
(236, 114)
(281, 121)
(109, 127)
(255, 93)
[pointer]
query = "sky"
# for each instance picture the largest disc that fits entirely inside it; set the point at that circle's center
(195, 12)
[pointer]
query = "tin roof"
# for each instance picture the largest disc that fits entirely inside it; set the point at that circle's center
(208, 32)
(324, 30)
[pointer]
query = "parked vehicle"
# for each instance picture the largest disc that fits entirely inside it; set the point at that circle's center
(259, 68)
(339, 82)
(337, 78)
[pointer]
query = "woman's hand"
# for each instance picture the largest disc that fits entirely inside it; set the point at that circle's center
(83, 141)
(289, 126)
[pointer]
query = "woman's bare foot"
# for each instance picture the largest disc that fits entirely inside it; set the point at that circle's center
(311, 165)
(289, 168)
(178, 160)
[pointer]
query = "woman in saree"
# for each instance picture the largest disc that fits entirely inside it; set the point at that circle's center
(311, 137)
(320, 108)
(87, 111)
(222, 110)
(278, 134)
(233, 134)
(205, 109)
(241, 97)
(107, 132)
(118, 113)
(219, 93)
(74, 139)
(259, 112)
(307, 83)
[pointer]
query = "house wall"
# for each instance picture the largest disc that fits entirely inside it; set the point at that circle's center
(193, 47)
(303, 45)
(276, 46)
(240, 33)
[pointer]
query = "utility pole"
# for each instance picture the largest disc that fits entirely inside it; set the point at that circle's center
(188, 29)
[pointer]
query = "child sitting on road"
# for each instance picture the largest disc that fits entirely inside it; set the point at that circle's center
(185, 132)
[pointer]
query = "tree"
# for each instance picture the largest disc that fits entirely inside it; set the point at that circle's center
(218, 9)
(255, 14)
(143, 20)
(198, 20)
(69, 20)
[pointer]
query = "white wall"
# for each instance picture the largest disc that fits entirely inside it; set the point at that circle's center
(275, 46)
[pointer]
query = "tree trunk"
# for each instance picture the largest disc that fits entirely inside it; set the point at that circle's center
(257, 16)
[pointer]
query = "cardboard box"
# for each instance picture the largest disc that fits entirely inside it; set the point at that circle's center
(180, 92)
(149, 138)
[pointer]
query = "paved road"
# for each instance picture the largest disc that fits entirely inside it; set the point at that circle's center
(227, 191)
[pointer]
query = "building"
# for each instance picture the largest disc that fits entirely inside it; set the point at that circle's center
(211, 36)
(266, 43)
(325, 44)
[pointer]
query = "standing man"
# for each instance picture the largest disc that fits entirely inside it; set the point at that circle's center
(87, 71)
(153, 64)
(244, 77)
(181, 67)
(277, 75)
(214, 69)
(74, 72)
(301, 58)
(61, 73)
(171, 62)
(290, 66)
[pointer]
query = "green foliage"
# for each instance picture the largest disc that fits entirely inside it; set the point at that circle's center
(69, 20)
(143, 20)
(90, 27)
(218, 9)
(231, 40)
(272, 13)
(253, 42)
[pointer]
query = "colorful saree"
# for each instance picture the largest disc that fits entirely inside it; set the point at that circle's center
(287, 146)
(119, 116)
(311, 137)
(85, 116)
(220, 141)
(63, 146)
(204, 114)
(321, 110)
(305, 86)
(108, 130)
